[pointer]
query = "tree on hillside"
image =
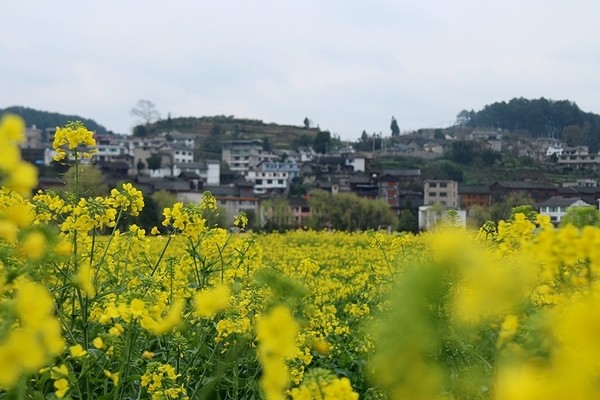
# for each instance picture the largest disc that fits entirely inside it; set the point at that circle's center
(464, 117)
(394, 127)
(45, 119)
(463, 152)
(266, 145)
(322, 141)
(489, 157)
(154, 162)
(140, 166)
(306, 123)
(140, 131)
(146, 110)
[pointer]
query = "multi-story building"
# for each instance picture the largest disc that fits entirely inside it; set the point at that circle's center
(444, 192)
(389, 189)
(32, 139)
(185, 139)
(242, 155)
(182, 153)
(272, 176)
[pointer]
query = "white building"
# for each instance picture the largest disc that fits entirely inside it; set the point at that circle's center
(556, 207)
(182, 153)
(272, 176)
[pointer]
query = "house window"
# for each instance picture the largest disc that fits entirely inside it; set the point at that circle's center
(443, 184)
(443, 194)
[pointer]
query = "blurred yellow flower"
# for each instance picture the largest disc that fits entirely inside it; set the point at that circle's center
(209, 302)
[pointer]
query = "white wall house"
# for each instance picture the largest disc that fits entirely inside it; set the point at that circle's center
(182, 153)
(556, 207)
(272, 176)
(357, 163)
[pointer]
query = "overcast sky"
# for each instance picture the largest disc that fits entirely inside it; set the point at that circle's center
(347, 65)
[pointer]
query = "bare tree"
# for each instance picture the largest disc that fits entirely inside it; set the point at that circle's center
(146, 110)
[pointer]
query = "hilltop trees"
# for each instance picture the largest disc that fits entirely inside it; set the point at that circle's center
(394, 127)
(146, 111)
(561, 119)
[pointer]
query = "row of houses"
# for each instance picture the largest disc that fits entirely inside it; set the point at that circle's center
(548, 198)
(168, 163)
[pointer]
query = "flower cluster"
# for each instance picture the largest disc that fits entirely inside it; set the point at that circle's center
(15, 174)
(321, 384)
(70, 138)
(160, 380)
(127, 199)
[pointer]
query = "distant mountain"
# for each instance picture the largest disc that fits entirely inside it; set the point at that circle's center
(46, 119)
(561, 119)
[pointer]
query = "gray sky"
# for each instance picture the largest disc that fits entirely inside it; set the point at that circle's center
(346, 65)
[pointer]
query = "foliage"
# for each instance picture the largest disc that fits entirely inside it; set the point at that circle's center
(321, 142)
(146, 111)
(394, 128)
(50, 120)
(463, 151)
(154, 162)
(277, 215)
(90, 180)
(503, 210)
(581, 217)
(408, 222)
(347, 211)
(540, 118)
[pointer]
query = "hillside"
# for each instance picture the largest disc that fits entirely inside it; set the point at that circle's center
(49, 120)
(561, 119)
(221, 128)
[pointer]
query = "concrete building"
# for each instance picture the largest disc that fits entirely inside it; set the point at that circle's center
(444, 192)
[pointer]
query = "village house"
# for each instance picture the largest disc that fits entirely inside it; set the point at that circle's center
(443, 192)
(471, 195)
(556, 207)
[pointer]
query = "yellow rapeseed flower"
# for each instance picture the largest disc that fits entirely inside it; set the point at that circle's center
(77, 351)
(62, 387)
(212, 301)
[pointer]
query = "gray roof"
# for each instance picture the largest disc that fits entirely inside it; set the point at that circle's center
(476, 189)
(402, 172)
(559, 201)
(524, 185)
